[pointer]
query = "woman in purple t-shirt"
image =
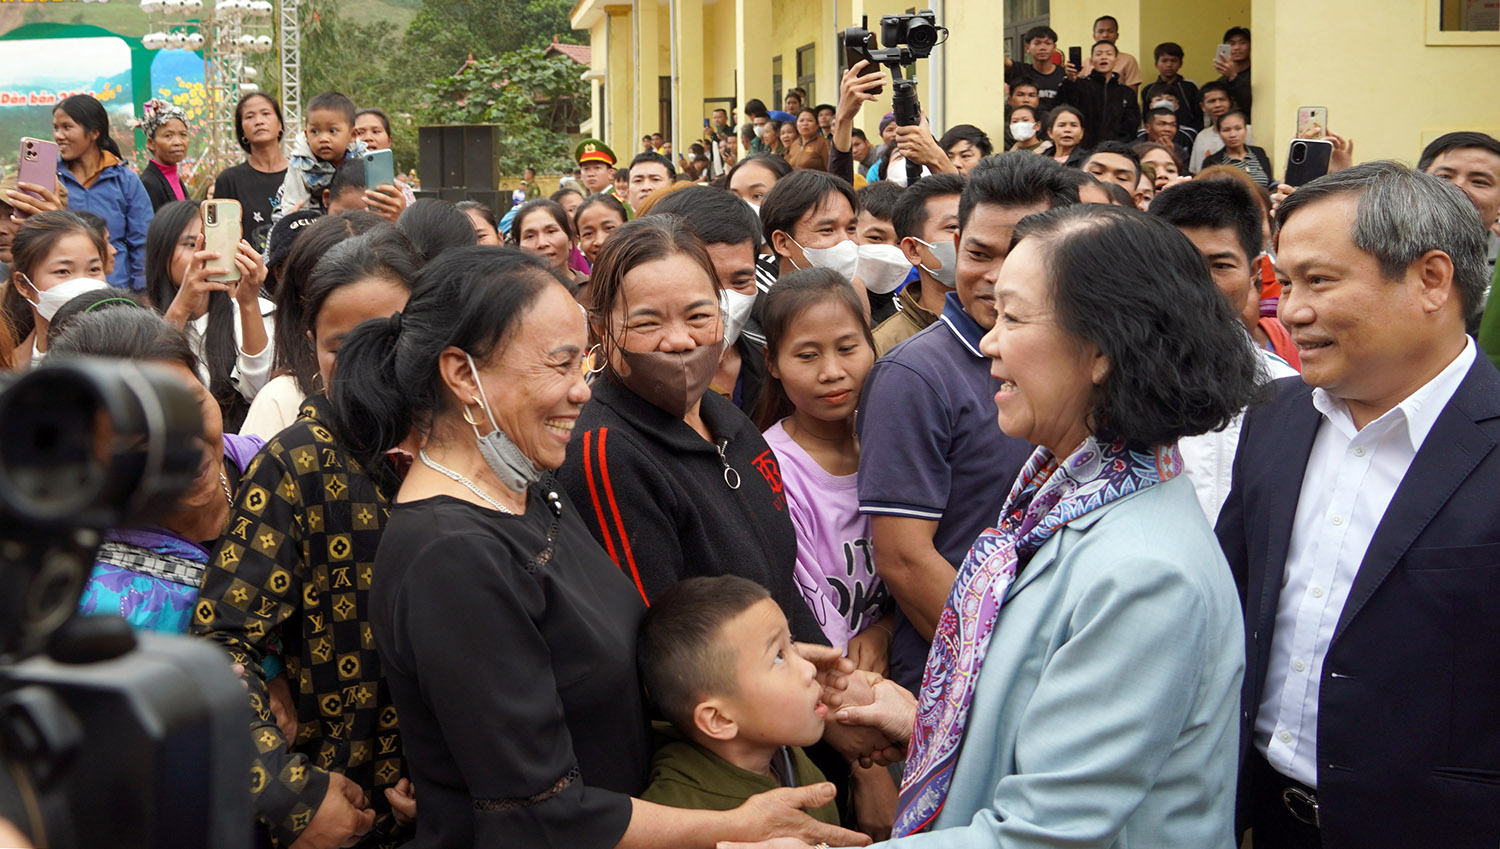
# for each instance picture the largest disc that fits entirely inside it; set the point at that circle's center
(818, 353)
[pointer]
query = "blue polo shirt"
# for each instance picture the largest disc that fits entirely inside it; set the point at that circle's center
(930, 447)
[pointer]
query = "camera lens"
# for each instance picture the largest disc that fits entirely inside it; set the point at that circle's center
(921, 35)
(213, 215)
(1299, 154)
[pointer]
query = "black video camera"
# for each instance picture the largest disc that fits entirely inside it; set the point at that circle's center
(907, 38)
(106, 739)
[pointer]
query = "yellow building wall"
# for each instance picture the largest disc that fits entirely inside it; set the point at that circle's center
(718, 38)
(794, 24)
(1197, 26)
(1384, 86)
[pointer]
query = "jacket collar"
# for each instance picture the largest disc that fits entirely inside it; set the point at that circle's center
(911, 301)
(723, 419)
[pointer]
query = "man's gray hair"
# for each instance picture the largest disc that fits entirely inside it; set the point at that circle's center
(1403, 214)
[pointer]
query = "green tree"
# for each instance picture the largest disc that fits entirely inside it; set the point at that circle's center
(447, 32)
(533, 98)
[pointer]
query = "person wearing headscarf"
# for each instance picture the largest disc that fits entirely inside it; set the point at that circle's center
(165, 126)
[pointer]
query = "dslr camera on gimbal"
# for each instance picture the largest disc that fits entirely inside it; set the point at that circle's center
(107, 738)
(907, 38)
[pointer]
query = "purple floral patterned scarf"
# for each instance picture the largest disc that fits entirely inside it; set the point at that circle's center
(1046, 496)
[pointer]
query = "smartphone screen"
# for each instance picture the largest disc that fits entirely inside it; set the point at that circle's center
(1312, 122)
(1075, 57)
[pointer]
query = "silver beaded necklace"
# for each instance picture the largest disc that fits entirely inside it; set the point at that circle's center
(458, 478)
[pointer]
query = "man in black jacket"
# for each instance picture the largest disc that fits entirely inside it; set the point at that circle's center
(1169, 81)
(1110, 112)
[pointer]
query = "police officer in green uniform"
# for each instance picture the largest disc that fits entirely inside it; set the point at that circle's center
(596, 166)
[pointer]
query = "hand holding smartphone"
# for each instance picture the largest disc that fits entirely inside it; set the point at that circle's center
(38, 166)
(1307, 160)
(221, 234)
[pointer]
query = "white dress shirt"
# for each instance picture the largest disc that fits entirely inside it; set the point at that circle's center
(1208, 458)
(1351, 476)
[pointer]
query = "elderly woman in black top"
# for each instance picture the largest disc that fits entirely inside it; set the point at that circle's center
(506, 634)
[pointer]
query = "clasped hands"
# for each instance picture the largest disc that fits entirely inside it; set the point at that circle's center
(870, 718)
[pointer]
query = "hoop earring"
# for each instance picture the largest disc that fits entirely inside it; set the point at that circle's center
(467, 418)
(592, 367)
(318, 385)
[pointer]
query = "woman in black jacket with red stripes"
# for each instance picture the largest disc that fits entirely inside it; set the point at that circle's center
(673, 480)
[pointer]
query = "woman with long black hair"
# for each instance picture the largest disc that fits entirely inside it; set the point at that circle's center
(228, 324)
(94, 172)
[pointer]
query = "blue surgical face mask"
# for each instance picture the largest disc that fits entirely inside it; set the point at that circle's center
(514, 469)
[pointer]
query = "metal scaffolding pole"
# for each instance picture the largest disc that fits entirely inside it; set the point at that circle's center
(291, 67)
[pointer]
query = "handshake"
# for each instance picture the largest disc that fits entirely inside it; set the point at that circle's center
(870, 718)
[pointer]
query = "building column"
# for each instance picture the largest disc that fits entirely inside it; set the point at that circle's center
(647, 61)
(752, 53)
(619, 84)
(687, 74)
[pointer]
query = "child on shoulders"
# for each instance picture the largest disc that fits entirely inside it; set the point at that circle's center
(326, 141)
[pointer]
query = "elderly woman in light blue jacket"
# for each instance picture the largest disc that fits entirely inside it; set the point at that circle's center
(1084, 681)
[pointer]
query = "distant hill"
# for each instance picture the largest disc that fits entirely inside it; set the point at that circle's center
(126, 18)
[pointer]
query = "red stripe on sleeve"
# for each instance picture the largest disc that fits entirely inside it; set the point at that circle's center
(614, 509)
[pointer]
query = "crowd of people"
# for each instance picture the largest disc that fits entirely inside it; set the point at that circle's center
(802, 491)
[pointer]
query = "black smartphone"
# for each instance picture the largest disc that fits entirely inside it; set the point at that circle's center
(1307, 160)
(1075, 58)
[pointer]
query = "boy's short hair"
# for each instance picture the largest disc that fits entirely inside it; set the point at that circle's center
(349, 176)
(1039, 32)
(1167, 48)
(910, 218)
(1215, 85)
(1109, 44)
(879, 199)
(681, 657)
(332, 101)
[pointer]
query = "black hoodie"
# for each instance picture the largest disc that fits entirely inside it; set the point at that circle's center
(654, 493)
(1110, 112)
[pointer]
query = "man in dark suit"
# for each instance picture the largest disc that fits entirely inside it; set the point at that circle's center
(1364, 530)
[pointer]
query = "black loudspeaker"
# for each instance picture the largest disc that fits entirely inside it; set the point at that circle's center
(481, 157)
(453, 157)
(430, 157)
(458, 156)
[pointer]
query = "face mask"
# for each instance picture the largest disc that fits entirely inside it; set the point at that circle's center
(842, 257)
(49, 302)
(514, 469)
(672, 382)
(882, 268)
(896, 172)
(945, 253)
(736, 308)
(1023, 130)
(1164, 104)
(754, 206)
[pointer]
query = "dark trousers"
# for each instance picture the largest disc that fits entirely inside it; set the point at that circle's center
(1272, 825)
